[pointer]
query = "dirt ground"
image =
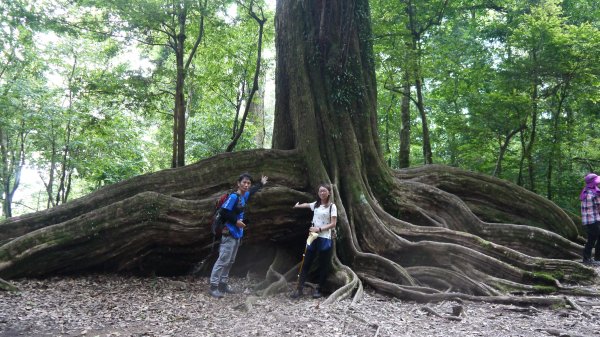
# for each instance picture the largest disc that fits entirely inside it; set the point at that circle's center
(111, 305)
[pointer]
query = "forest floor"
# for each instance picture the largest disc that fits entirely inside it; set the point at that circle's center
(111, 305)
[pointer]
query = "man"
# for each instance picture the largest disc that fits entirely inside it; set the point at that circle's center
(233, 213)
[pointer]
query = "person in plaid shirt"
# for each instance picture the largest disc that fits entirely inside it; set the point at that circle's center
(590, 217)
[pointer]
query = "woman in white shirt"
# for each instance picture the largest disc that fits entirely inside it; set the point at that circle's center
(324, 220)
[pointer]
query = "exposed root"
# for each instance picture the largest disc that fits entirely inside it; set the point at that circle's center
(577, 307)
(569, 269)
(474, 266)
(274, 281)
(346, 290)
(421, 205)
(577, 291)
(526, 310)
(248, 304)
(406, 293)
(373, 325)
(495, 200)
(108, 237)
(560, 333)
(382, 267)
(150, 231)
(215, 175)
(7, 286)
(436, 314)
(439, 278)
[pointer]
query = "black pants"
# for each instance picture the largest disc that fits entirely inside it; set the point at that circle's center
(593, 239)
(323, 260)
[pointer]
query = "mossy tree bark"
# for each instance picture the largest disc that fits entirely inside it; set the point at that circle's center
(429, 233)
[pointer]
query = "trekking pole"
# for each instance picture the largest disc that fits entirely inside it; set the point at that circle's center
(301, 264)
(311, 237)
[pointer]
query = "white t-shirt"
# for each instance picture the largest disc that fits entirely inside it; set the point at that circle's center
(321, 217)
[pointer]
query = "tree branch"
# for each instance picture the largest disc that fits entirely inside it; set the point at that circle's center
(261, 23)
(198, 39)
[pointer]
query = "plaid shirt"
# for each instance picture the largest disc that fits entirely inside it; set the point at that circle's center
(590, 208)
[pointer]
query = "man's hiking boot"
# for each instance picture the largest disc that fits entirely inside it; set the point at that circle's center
(224, 288)
(317, 293)
(297, 293)
(215, 292)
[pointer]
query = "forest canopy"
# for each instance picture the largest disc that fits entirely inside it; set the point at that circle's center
(88, 90)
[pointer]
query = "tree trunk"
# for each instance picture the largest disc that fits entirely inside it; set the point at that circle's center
(50, 184)
(179, 89)
(427, 155)
(177, 38)
(253, 90)
(257, 115)
(502, 151)
(424, 234)
(405, 118)
(64, 168)
(6, 175)
(12, 160)
(533, 128)
(556, 139)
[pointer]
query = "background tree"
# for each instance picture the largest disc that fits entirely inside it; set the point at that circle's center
(478, 72)
(107, 99)
(21, 91)
(177, 28)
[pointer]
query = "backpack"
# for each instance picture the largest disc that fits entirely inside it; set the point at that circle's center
(218, 222)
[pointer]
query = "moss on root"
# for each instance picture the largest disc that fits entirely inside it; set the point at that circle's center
(540, 279)
(541, 289)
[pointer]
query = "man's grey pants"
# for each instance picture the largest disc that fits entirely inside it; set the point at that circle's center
(227, 252)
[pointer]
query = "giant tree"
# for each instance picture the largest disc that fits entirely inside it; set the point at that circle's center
(424, 234)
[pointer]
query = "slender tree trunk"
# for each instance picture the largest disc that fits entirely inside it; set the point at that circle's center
(50, 184)
(64, 167)
(555, 154)
(12, 159)
(6, 202)
(241, 95)
(404, 153)
(418, 27)
(256, 110)
(174, 143)
(522, 157)
(261, 23)
(427, 155)
(179, 87)
(177, 40)
(533, 128)
(503, 147)
(386, 132)
(257, 115)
